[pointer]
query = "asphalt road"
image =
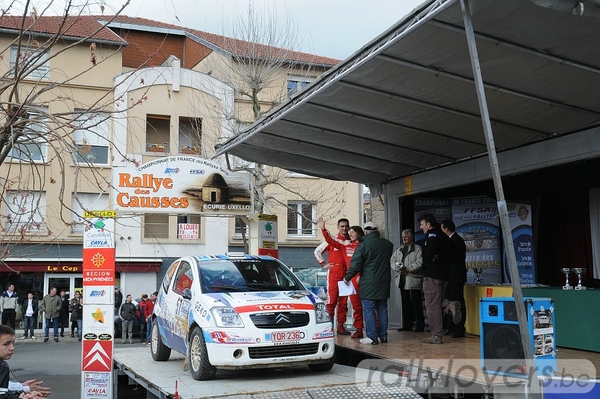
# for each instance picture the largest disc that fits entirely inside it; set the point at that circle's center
(58, 364)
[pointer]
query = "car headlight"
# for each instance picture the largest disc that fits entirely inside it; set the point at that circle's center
(227, 317)
(322, 314)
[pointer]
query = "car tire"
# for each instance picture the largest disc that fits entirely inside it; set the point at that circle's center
(321, 367)
(160, 352)
(200, 366)
(117, 331)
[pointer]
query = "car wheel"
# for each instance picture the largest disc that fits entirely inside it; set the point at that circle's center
(117, 331)
(160, 352)
(323, 366)
(200, 366)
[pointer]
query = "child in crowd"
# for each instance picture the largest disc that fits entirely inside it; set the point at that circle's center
(30, 389)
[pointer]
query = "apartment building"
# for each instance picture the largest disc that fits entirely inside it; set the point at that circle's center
(157, 91)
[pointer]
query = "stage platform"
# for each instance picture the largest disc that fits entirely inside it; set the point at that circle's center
(456, 360)
(402, 368)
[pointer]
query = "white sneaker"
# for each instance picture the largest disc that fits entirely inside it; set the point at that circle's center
(33, 337)
(366, 341)
(24, 337)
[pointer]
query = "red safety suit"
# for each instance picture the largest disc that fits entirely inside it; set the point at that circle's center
(336, 273)
(348, 248)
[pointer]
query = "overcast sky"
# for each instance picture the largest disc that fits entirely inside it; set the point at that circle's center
(332, 28)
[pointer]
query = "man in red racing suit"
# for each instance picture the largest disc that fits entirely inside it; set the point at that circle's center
(348, 247)
(336, 268)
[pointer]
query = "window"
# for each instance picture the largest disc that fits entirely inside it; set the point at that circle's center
(241, 226)
(33, 62)
(184, 280)
(25, 212)
(182, 221)
(92, 139)
(300, 219)
(85, 202)
(156, 225)
(158, 133)
(190, 136)
(297, 83)
(30, 144)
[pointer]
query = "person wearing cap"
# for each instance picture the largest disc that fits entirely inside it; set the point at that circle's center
(336, 269)
(438, 252)
(371, 260)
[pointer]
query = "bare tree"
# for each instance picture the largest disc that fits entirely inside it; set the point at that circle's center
(51, 136)
(261, 63)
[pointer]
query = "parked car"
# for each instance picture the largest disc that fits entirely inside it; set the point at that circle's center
(238, 311)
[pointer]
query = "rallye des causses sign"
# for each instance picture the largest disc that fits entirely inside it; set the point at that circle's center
(181, 184)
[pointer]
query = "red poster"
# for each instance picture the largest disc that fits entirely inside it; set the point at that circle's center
(97, 356)
(98, 266)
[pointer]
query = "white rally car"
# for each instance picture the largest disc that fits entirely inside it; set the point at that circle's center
(237, 311)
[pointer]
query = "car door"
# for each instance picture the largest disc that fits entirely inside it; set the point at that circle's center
(180, 304)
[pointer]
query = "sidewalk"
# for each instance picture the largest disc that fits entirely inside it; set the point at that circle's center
(39, 337)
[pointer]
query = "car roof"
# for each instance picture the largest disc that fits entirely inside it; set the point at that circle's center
(232, 256)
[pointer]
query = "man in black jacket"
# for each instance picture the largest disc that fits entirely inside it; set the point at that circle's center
(437, 255)
(458, 278)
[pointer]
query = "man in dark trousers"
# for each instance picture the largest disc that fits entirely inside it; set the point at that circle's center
(438, 252)
(458, 278)
(371, 260)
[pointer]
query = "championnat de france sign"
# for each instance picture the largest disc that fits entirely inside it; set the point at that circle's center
(181, 184)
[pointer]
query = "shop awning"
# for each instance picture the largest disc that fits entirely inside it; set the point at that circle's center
(406, 102)
(74, 265)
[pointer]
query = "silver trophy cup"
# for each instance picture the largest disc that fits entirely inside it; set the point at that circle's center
(579, 271)
(566, 271)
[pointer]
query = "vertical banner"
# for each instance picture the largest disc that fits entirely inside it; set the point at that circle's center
(438, 207)
(267, 235)
(98, 305)
(519, 215)
(476, 220)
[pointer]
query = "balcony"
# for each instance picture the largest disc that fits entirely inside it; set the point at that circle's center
(160, 148)
(189, 149)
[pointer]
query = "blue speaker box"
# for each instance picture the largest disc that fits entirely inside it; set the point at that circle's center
(501, 348)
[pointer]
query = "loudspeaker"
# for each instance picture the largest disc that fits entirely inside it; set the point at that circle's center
(501, 348)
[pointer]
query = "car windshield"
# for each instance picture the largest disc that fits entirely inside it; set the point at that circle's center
(244, 275)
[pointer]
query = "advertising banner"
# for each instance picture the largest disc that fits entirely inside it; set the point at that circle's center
(476, 220)
(182, 185)
(98, 304)
(519, 216)
(267, 235)
(438, 207)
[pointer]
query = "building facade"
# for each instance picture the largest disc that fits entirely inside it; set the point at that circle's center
(134, 92)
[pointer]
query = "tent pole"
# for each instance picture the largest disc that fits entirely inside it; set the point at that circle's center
(534, 387)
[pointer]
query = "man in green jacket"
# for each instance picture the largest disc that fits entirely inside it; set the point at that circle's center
(371, 260)
(51, 305)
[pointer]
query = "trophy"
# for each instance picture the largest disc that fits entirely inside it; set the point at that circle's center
(566, 271)
(579, 271)
(477, 271)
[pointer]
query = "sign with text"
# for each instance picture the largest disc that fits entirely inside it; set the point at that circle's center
(98, 304)
(188, 231)
(476, 220)
(519, 216)
(267, 235)
(182, 185)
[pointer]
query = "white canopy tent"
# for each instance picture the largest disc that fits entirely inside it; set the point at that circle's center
(444, 87)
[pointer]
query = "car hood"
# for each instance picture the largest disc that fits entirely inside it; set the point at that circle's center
(266, 301)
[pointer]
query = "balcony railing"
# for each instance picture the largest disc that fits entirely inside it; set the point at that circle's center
(152, 147)
(189, 149)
